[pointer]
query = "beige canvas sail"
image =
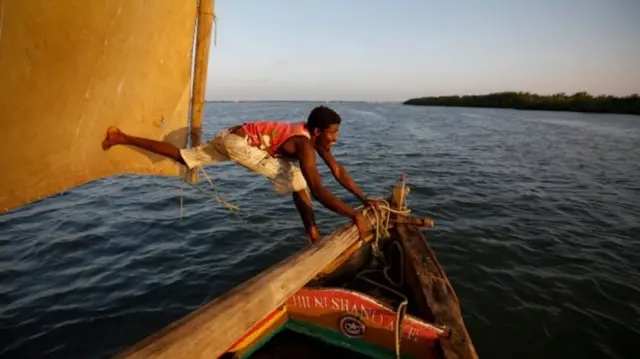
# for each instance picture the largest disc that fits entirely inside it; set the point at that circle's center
(69, 69)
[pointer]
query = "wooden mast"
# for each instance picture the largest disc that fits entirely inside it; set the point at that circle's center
(203, 41)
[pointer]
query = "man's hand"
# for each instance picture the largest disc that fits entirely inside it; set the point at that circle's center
(370, 202)
(361, 223)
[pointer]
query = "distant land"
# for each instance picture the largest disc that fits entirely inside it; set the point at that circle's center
(298, 101)
(578, 102)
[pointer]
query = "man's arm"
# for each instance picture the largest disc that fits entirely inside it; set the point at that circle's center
(307, 157)
(341, 175)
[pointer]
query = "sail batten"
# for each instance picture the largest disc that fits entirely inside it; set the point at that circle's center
(70, 70)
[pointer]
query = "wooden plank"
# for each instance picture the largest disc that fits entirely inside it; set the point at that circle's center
(414, 221)
(430, 282)
(209, 331)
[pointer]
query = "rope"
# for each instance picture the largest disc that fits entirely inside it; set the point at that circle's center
(181, 199)
(215, 30)
(402, 308)
(232, 208)
(400, 312)
(382, 232)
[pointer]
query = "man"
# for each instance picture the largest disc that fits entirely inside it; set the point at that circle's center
(269, 148)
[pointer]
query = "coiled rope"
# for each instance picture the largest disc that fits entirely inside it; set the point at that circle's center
(382, 232)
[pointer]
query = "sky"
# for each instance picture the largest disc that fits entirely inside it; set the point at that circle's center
(373, 50)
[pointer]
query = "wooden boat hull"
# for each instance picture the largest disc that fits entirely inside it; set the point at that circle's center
(347, 310)
(376, 298)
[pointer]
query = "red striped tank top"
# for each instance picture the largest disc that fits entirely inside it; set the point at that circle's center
(270, 135)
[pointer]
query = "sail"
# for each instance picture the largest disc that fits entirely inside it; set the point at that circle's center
(70, 69)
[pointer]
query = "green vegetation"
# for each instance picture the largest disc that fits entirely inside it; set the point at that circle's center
(578, 102)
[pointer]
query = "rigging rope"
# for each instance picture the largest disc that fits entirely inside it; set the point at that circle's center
(231, 207)
(382, 232)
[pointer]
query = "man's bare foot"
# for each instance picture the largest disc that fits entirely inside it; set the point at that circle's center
(114, 137)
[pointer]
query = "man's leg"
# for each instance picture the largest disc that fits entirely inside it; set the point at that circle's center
(117, 137)
(303, 204)
(284, 177)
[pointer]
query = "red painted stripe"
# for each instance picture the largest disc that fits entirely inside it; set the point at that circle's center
(256, 327)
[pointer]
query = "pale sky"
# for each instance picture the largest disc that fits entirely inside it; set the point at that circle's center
(395, 50)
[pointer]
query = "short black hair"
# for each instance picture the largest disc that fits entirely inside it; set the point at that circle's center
(321, 118)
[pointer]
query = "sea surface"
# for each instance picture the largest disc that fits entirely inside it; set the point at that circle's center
(537, 213)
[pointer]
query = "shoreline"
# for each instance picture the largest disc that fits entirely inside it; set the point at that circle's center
(578, 102)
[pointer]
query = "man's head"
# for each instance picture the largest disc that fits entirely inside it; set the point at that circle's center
(323, 124)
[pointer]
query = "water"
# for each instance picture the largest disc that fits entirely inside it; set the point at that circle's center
(537, 218)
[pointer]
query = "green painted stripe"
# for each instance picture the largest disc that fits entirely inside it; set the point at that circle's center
(264, 341)
(338, 339)
(328, 336)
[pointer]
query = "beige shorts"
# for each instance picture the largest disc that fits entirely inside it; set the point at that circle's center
(226, 146)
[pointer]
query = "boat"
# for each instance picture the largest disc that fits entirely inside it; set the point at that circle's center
(382, 296)
(70, 71)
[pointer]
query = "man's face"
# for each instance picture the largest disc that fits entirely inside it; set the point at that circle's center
(328, 137)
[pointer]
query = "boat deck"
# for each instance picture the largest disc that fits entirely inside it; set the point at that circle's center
(291, 345)
(352, 278)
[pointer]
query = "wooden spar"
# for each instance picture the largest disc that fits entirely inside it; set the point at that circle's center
(203, 41)
(433, 291)
(209, 331)
(414, 221)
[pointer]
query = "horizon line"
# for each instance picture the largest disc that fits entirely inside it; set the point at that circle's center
(308, 101)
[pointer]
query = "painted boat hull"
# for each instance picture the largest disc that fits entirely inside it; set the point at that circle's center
(348, 313)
